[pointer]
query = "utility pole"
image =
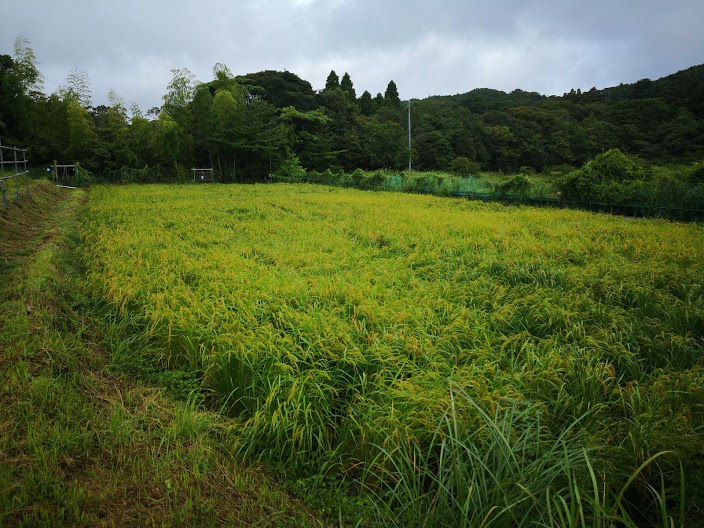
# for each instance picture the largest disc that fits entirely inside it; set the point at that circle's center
(409, 134)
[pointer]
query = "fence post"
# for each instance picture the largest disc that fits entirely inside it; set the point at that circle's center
(26, 172)
(2, 175)
(17, 180)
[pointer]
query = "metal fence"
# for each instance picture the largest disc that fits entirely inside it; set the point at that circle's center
(18, 167)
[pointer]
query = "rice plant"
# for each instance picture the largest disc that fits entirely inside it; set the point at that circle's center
(461, 363)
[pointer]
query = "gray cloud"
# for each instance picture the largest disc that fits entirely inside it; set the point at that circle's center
(428, 48)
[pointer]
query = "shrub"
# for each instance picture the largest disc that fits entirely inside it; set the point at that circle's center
(313, 176)
(290, 171)
(612, 166)
(358, 178)
(462, 166)
(519, 184)
(83, 176)
(374, 180)
(597, 176)
(183, 175)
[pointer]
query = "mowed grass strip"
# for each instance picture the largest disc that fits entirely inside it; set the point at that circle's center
(334, 324)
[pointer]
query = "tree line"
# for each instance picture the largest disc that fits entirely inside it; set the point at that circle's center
(246, 126)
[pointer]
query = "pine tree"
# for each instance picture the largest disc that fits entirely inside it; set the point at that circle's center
(333, 81)
(391, 95)
(366, 104)
(346, 85)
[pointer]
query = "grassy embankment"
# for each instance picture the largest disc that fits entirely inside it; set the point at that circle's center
(82, 442)
(454, 363)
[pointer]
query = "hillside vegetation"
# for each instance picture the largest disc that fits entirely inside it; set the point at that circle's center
(246, 126)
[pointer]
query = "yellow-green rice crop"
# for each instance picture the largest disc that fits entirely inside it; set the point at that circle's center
(350, 331)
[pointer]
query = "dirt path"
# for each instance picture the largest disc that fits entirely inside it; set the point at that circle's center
(82, 443)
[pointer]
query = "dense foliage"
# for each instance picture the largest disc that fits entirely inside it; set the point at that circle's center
(454, 361)
(614, 179)
(245, 126)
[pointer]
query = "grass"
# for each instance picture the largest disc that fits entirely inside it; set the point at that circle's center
(82, 442)
(423, 360)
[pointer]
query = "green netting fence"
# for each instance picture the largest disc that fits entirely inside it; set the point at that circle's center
(476, 188)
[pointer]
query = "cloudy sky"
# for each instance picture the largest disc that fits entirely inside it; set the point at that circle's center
(426, 47)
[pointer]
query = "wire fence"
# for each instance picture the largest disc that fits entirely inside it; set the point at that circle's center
(677, 207)
(18, 167)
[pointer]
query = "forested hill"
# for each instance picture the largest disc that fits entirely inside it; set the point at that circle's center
(246, 125)
(660, 120)
(685, 87)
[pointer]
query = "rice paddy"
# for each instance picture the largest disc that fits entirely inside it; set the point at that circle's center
(455, 362)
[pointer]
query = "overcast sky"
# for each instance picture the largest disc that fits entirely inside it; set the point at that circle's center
(426, 47)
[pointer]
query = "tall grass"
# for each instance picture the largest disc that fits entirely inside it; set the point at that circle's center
(508, 472)
(352, 334)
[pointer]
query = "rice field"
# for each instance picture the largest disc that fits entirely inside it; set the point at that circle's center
(453, 362)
